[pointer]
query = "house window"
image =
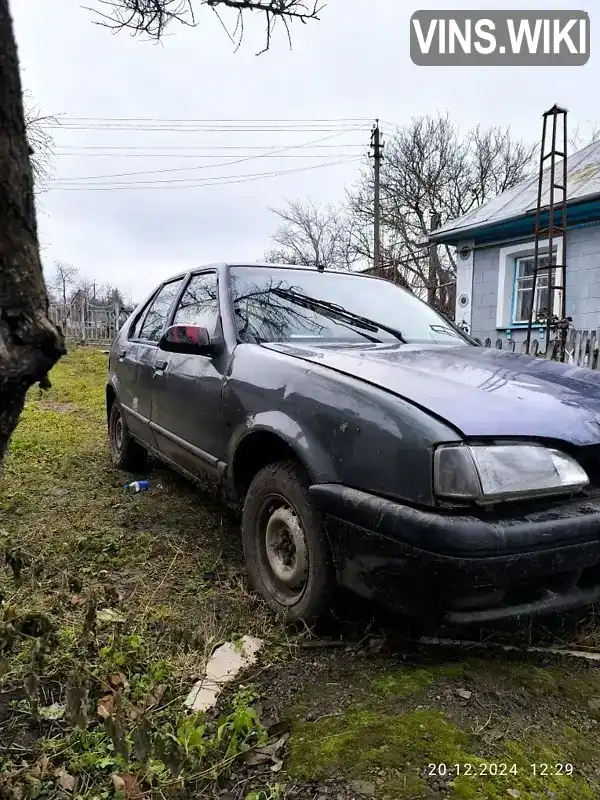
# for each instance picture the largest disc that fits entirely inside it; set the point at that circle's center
(524, 295)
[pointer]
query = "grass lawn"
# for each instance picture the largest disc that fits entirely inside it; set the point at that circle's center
(109, 594)
(111, 602)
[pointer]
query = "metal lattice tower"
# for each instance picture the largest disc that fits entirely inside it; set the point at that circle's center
(552, 231)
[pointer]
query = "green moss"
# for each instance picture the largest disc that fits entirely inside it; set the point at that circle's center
(359, 744)
(360, 741)
(577, 684)
(407, 681)
(534, 769)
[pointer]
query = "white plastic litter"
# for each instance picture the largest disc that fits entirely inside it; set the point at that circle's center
(226, 662)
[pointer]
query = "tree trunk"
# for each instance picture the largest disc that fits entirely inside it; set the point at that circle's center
(29, 343)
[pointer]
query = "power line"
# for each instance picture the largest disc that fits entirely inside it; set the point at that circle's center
(176, 147)
(316, 128)
(391, 124)
(212, 181)
(193, 120)
(218, 119)
(206, 155)
(206, 166)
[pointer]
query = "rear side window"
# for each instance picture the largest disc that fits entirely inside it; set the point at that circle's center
(134, 331)
(155, 319)
(199, 304)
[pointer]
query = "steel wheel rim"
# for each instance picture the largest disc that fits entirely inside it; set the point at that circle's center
(118, 434)
(284, 551)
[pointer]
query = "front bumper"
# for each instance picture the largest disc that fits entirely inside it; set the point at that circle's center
(463, 569)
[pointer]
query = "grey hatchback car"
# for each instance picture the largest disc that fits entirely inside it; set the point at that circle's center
(368, 442)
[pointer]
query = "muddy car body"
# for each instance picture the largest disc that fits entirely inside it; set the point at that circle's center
(370, 443)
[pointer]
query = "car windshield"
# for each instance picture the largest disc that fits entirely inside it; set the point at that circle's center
(284, 304)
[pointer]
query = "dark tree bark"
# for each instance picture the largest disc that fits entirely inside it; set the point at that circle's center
(29, 344)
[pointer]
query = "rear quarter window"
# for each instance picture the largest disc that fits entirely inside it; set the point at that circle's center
(134, 328)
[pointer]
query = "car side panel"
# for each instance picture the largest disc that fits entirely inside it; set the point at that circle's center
(186, 410)
(344, 431)
(130, 370)
(310, 451)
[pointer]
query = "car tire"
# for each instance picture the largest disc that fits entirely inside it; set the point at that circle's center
(126, 453)
(285, 546)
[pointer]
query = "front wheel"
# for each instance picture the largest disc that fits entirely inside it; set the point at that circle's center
(285, 547)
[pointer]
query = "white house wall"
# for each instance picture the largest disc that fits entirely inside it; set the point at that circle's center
(464, 285)
(583, 284)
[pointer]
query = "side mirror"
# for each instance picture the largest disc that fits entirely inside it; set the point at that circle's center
(192, 339)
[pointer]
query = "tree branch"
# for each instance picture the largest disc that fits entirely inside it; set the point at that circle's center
(151, 17)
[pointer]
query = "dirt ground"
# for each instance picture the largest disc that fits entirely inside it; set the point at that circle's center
(111, 602)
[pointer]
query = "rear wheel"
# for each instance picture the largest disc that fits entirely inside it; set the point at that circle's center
(285, 547)
(127, 454)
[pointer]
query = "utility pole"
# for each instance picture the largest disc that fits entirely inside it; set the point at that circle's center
(433, 262)
(377, 154)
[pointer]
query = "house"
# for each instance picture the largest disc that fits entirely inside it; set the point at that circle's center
(495, 255)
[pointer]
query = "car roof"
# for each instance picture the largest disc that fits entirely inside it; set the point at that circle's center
(269, 265)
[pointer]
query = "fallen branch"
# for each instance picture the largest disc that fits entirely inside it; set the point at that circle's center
(466, 644)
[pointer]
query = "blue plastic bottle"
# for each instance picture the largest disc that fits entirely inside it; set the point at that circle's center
(138, 486)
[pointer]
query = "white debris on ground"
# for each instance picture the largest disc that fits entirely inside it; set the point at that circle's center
(226, 662)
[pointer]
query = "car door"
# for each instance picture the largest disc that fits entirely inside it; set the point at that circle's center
(186, 392)
(123, 364)
(136, 360)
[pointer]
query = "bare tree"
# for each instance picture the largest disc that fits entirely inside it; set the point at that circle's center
(151, 17)
(582, 138)
(41, 144)
(95, 292)
(429, 170)
(63, 280)
(84, 289)
(109, 295)
(313, 235)
(29, 343)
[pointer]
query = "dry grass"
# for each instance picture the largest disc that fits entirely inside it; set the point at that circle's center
(167, 561)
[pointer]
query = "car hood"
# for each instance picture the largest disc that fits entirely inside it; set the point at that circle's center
(479, 391)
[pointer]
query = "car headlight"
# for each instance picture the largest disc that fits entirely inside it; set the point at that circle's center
(488, 473)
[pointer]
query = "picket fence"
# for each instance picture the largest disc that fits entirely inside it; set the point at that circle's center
(87, 322)
(582, 348)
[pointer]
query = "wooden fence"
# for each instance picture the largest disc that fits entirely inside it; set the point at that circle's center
(581, 348)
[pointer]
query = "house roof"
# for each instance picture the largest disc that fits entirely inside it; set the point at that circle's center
(519, 203)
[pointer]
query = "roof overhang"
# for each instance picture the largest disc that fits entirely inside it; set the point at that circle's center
(578, 212)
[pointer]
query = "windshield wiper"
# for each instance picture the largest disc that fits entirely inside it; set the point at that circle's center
(444, 329)
(336, 310)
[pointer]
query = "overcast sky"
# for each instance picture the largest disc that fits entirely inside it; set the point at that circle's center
(352, 65)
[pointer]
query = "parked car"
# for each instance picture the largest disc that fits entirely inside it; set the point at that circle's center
(368, 441)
